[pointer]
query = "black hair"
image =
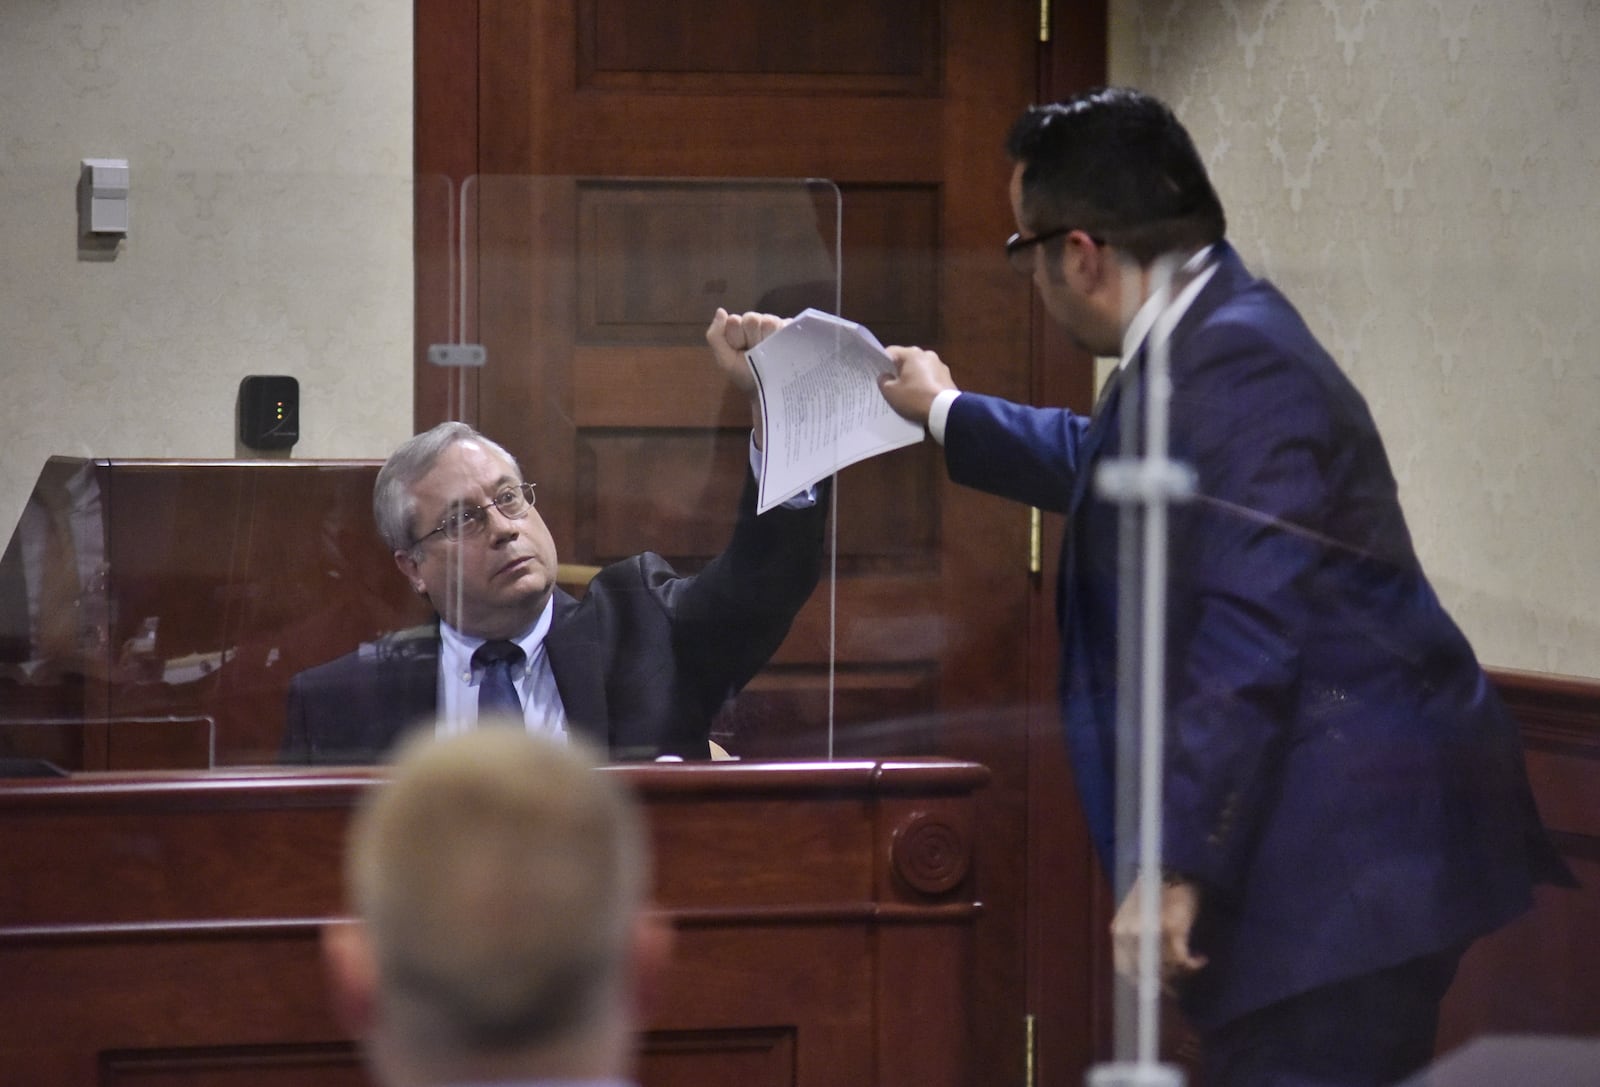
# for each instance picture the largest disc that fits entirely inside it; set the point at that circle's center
(1116, 163)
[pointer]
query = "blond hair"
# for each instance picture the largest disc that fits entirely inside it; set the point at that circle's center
(499, 875)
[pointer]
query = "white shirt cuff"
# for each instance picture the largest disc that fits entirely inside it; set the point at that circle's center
(804, 500)
(939, 411)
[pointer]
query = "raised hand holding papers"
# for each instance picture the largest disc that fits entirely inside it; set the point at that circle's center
(820, 405)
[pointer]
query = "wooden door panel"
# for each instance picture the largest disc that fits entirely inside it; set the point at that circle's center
(597, 377)
(592, 299)
(653, 254)
(674, 493)
(644, 483)
(891, 260)
(544, 107)
(636, 427)
(882, 710)
(752, 1058)
(888, 515)
(618, 390)
(879, 619)
(735, 46)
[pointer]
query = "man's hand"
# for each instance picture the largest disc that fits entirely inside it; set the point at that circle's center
(730, 336)
(1180, 903)
(919, 376)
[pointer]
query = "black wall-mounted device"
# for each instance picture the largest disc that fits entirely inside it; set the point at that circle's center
(269, 411)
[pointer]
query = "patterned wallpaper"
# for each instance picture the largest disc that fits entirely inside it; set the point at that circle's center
(269, 146)
(1419, 177)
(1423, 180)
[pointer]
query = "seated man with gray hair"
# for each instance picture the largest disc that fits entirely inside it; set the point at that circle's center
(640, 666)
(498, 883)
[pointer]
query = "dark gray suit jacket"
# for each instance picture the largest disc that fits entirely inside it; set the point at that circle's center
(643, 662)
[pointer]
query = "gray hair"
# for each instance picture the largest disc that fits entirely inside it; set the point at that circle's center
(393, 505)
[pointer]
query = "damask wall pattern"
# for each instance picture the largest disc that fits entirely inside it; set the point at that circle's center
(1423, 180)
(269, 146)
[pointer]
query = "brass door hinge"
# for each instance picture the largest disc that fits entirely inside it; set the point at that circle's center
(1028, 1066)
(1044, 20)
(1035, 529)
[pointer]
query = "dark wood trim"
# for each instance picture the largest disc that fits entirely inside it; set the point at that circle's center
(1552, 708)
(1530, 976)
(1559, 717)
(1069, 901)
(179, 931)
(444, 155)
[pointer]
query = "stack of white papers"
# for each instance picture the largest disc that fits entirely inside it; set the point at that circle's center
(820, 405)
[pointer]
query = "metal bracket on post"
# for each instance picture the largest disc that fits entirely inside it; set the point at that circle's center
(1151, 483)
(1131, 1074)
(1145, 480)
(457, 354)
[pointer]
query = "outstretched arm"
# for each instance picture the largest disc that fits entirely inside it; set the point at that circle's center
(919, 377)
(730, 336)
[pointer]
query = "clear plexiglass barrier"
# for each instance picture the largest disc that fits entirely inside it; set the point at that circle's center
(565, 318)
(1320, 740)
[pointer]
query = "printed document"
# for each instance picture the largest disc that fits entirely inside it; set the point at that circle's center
(820, 404)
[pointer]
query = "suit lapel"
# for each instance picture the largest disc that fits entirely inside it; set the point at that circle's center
(416, 691)
(1085, 720)
(1119, 404)
(578, 665)
(1108, 420)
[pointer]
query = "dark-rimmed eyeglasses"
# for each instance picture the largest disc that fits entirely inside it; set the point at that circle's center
(513, 504)
(1017, 247)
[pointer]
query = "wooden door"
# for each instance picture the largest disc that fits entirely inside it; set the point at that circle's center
(586, 121)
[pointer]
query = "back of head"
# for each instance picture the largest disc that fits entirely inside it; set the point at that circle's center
(499, 876)
(1117, 164)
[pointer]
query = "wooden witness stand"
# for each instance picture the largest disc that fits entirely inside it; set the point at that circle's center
(160, 929)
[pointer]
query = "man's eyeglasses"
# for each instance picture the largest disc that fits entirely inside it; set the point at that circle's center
(1017, 247)
(513, 504)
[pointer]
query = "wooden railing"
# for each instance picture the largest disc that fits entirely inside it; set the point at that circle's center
(163, 927)
(1541, 974)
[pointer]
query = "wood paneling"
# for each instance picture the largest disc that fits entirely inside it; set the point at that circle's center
(1069, 918)
(878, 710)
(694, 1059)
(655, 258)
(675, 493)
(233, 1066)
(903, 105)
(752, 46)
(166, 927)
(666, 493)
(1540, 974)
(892, 255)
(445, 152)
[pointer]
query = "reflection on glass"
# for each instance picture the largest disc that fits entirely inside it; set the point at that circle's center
(203, 589)
(140, 591)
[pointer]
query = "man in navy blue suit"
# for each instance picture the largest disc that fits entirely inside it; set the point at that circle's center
(1345, 807)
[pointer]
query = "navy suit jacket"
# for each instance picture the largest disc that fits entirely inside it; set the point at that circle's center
(1340, 775)
(643, 662)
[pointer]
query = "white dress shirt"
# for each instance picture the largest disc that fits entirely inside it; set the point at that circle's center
(459, 682)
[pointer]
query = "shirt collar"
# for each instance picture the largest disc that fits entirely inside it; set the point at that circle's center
(457, 648)
(1195, 273)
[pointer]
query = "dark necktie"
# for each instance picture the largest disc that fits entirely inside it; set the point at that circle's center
(497, 692)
